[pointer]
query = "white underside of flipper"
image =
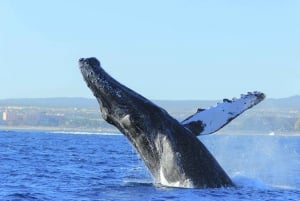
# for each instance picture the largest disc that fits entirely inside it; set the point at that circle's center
(212, 119)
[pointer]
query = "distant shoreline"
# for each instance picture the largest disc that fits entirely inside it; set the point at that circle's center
(258, 133)
(28, 128)
(272, 116)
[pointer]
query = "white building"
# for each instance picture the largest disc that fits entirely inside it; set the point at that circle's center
(4, 116)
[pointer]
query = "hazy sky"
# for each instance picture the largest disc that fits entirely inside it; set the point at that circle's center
(188, 49)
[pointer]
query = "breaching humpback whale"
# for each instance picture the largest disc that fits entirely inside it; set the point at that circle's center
(169, 149)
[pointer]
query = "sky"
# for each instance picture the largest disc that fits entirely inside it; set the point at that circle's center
(164, 50)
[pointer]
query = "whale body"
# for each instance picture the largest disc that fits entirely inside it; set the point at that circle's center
(170, 149)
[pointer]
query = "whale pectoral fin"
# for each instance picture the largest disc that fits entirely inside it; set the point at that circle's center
(212, 119)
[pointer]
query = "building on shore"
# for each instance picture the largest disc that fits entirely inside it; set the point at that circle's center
(4, 116)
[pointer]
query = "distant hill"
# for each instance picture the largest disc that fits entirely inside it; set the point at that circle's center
(51, 102)
(62, 102)
(272, 115)
(292, 102)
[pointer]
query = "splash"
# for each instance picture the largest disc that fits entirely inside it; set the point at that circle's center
(263, 159)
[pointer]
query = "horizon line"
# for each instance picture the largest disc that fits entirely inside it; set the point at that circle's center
(92, 98)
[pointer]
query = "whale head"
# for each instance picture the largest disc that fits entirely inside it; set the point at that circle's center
(128, 111)
(97, 79)
(108, 91)
(118, 103)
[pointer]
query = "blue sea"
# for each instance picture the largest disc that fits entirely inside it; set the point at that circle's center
(43, 165)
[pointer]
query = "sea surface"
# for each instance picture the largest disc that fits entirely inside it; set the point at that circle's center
(42, 165)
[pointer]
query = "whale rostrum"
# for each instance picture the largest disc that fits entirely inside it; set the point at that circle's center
(170, 149)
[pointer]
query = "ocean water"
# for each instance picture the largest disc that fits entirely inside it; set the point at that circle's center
(41, 165)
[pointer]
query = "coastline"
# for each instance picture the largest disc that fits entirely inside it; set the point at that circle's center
(95, 130)
(62, 129)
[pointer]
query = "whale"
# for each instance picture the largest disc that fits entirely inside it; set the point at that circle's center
(170, 149)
